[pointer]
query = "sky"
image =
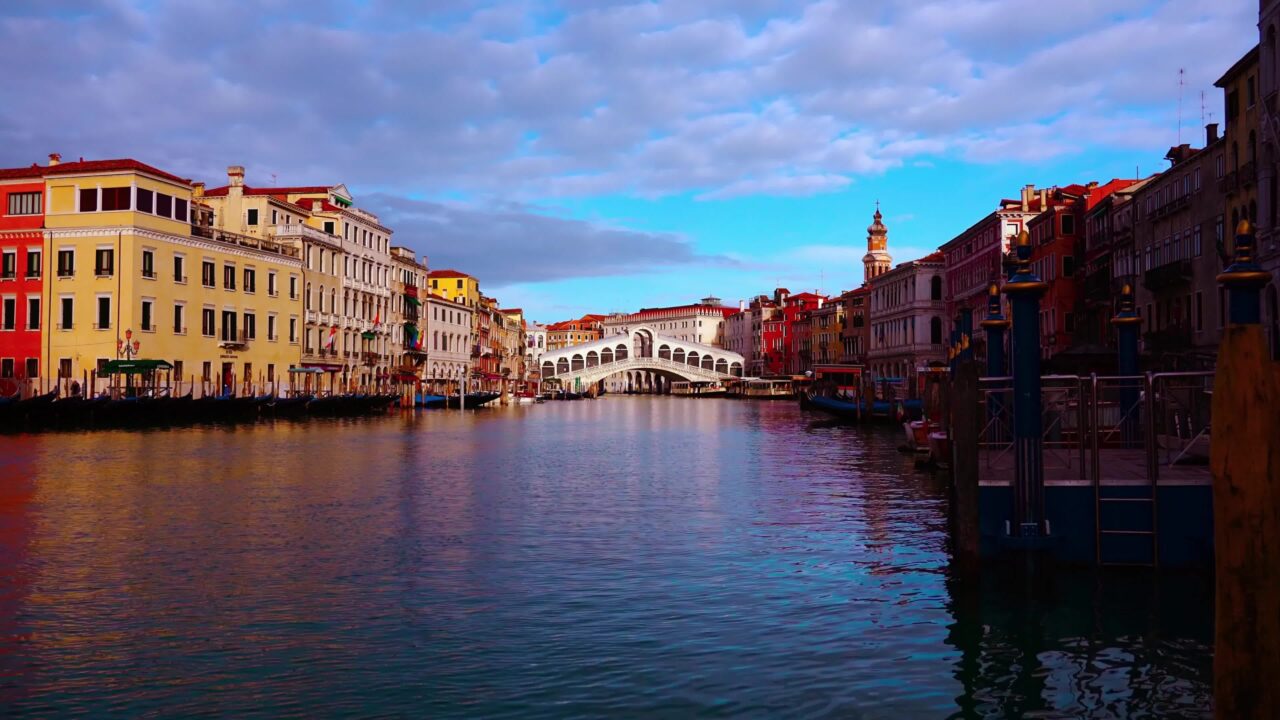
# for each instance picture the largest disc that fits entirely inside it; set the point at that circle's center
(604, 156)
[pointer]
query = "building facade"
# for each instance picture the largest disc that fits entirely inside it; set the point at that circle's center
(22, 276)
(449, 356)
(907, 319)
(408, 343)
(702, 322)
(132, 276)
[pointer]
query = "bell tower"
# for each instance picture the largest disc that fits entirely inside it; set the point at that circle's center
(877, 260)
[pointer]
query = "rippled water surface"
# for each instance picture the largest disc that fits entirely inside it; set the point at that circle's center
(625, 557)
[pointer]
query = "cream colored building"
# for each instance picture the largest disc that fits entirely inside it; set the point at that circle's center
(449, 326)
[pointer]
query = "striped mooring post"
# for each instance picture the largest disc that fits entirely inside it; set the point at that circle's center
(1025, 289)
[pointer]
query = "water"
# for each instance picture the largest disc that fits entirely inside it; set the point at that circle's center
(625, 557)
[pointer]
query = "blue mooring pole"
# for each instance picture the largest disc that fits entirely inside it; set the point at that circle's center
(1127, 321)
(1244, 280)
(1025, 289)
(995, 325)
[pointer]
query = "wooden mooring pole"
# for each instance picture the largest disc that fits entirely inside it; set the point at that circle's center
(965, 422)
(1245, 459)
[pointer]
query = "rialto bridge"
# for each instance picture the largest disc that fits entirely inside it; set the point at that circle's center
(639, 360)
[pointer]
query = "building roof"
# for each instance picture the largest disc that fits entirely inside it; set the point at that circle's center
(448, 274)
(91, 166)
(1247, 59)
(281, 191)
(513, 311)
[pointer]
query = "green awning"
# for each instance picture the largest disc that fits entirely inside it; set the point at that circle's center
(134, 367)
(412, 300)
(368, 335)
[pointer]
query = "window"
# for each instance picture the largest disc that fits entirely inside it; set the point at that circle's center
(207, 271)
(67, 313)
(1195, 242)
(6, 368)
(1250, 92)
(9, 314)
(206, 322)
(1069, 322)
(146, 316)
(275, 217)
(89, 200)
(115, 198)
(33, 367)
(180, 210)
(229, 277)
(1068, 224)
(148, 263)
(179, 271)
(146, 200)
(293, 287)
(1068, 266)
(33, 313)
(164, 205)
(293, 330)
(328, 226)
(9, 264)
(252, 218)
(271, 328)
(206, 371)
(104, 312)
(250, 280)
(1199, 311)
(177, 370)
(179, 319)
(271, 372)
(25, 203)
(35, 263)
(271, 283)
(250, 326)
(104, 262)
(229, 326)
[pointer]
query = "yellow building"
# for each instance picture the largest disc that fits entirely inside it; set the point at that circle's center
(456, 287)
(1238, 161)
(131, 255)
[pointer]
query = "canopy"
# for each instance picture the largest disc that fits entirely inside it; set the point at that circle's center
(415, 302)
(134, 367)
(310, 370)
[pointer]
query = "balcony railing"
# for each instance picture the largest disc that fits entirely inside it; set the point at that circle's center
(1229, 182)
(1248, 174)
(247, 241)
(1173, 274)
(1097, 285)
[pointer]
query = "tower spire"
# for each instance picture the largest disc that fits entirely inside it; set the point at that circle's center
(877, 260)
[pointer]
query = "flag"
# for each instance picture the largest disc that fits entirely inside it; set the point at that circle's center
(377, 318)
(333, 337)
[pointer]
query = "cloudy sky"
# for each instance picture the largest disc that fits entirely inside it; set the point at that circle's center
(598, 155)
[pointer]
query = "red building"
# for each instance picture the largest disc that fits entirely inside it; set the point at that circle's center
(796, 338)
(974, 259)
(1057, 241)
(21, 271)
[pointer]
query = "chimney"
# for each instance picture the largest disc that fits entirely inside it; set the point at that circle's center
(742, 305)
(1027, 191)
(1210, 133)
(197, 189)
(235, 175)
(1044, 199)
(315, 206)
(54, 159)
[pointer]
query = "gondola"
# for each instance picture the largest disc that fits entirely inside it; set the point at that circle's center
(474, 400)
(430, 401)
(292, 406)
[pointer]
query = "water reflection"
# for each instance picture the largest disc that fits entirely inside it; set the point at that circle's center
(627, 556)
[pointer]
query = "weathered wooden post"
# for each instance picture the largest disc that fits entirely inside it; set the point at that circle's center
(1024, 290)
(1246, 501)
(965, 423)
(1127, 321)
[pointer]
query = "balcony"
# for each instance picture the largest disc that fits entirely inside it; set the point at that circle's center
(246, 241)
(1173, 339)
(1175, 274)
(1248, 174)
(306, 232)
(1229, 183)
(1097, 286)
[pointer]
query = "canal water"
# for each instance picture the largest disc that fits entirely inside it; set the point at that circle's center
(623, 557)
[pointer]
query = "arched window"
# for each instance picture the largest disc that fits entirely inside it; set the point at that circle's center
(308, 297)
(935, 288)
(935, 331)
(1253, 146)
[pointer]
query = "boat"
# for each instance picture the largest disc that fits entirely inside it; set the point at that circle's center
(291, 406)
(840, 407)
(918, 434)
(698, 388)
(766, 389)
(473, 400)
(940, 448)
(429, 401)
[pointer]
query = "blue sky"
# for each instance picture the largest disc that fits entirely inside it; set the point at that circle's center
(595, 156)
